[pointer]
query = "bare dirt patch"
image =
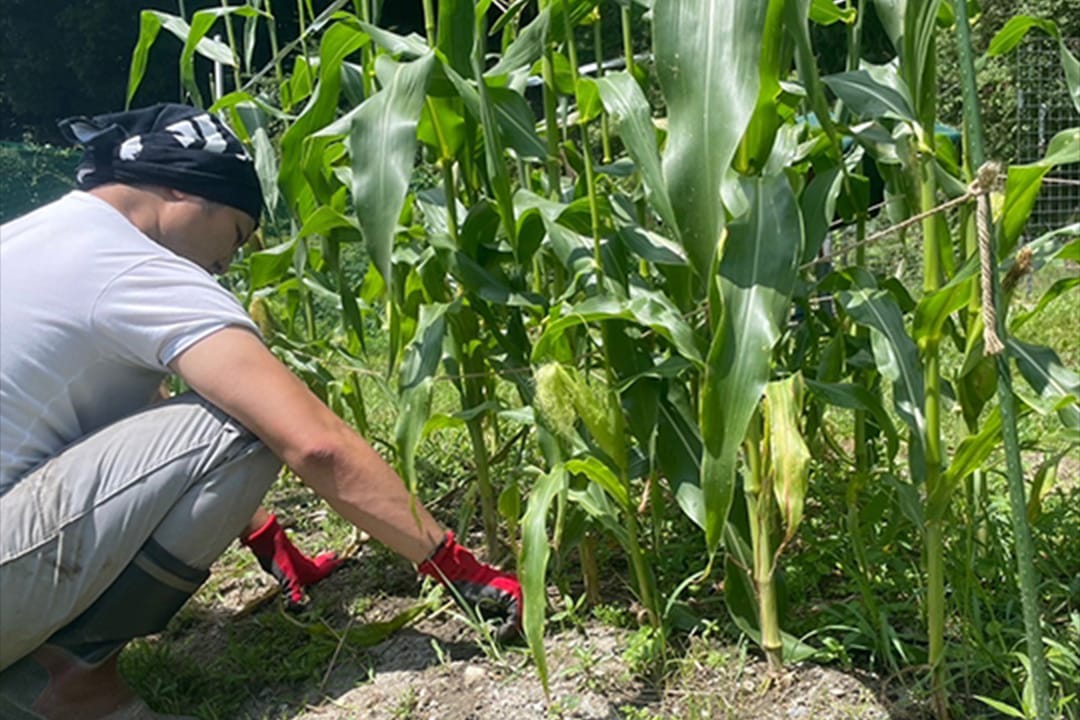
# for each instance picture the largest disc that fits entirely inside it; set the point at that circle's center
(434, 668)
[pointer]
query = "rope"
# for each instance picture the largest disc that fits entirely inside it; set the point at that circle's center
(903, 225)
(985, 180)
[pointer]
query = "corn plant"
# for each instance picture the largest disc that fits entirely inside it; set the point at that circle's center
(640, 310)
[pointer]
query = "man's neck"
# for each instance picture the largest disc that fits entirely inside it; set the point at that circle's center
(141, 205)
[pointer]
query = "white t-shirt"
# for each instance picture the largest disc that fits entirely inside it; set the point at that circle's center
(91, 313)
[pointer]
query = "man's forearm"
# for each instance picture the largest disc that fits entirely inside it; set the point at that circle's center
(355, 480)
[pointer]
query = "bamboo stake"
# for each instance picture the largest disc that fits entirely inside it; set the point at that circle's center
(1025, 553)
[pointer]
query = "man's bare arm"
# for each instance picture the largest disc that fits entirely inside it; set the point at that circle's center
(234, 370)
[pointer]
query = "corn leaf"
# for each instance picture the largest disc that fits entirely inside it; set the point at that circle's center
(873, 92)
(1057, 386)
(1023, 183)
(456, 33)
(678, 452)
(857, 397)
(789, 456)
(382, 148)
(602, 475)
(757, 277)
(417, 371)
(895, 354)
(532, 566)
(630, 111)
(337, 43)
(707, 56)
(646, 308)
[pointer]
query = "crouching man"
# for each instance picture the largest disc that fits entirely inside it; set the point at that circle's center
(112, 510)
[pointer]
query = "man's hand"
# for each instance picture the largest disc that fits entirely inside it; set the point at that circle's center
(493, 594)
(279, 557)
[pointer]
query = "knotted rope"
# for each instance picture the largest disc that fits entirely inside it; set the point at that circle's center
(985, 181)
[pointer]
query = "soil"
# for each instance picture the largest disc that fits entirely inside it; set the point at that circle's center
(434, 668)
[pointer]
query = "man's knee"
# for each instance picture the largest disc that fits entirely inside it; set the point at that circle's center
(199, 527)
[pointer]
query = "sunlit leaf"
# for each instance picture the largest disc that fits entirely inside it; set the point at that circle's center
(707, 55)
(757, 277)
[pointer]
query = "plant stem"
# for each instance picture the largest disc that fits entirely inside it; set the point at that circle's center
(429, 22)
(1025, 553)
(627, 38)
(586, 153)
(759, 499)
(271, 23)
(483, 480)
(598, 54)
(232, 47)
(590, 570)
(935, 575)
(551, 124)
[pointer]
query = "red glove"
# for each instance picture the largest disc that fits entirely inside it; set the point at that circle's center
(279, 557)
(493, 594)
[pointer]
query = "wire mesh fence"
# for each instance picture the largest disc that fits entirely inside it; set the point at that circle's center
(1043, 109)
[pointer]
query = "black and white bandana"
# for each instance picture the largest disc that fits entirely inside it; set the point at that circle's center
(175, 146)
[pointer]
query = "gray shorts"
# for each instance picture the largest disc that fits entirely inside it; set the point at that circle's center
(181, 474)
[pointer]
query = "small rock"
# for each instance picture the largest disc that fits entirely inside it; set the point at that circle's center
(474, 674)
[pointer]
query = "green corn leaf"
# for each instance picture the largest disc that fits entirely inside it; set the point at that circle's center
(789, 457)
(516, 123)
(756, 145)
(1057, 386)
(252, 121)
(405, 47)
(195, 41)
(456, 33)
(532, 565)
(707, 56)
(857, 397)
(1055, 291)
(1014, 31)
(917, 57)
(338, 42)
(971, 455)
(475, 278)
(818, 204)
(450, 122)
(873, 92)
(757, 277)
(626, 104)
(895, 354)
(598, 506)
(426, 351)
(417, 373)
(1023, 183)
(382, 148)
(589, 106)
(527, 47)
(796, 16)
(826, 12)
(413, 413)
(646, 308)
(935, 307)
(1009, 36)
(149, 27)
(602, 475)
(272, 265)
(498, 175)
(678, 452)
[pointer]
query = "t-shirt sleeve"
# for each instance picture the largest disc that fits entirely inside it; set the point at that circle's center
(154, 311)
